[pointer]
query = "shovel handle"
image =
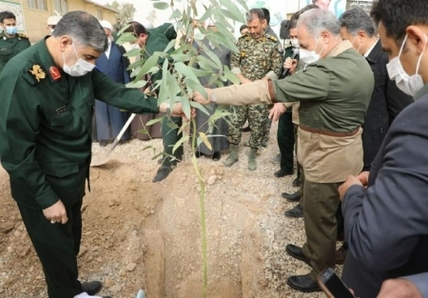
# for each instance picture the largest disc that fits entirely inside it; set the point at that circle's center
(122, 131)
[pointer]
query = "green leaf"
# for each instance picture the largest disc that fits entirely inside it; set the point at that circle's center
(132, 53)
(136, 64)
(154, 121)
(176, 15)
(172, 85)
(185, 104)
(196, 86)
(185, 70)
(179, 142)
(170, 46)
(148, 65)
(123, 29)
(205, 140)
(213, 57)
(161, 5)
(208, 13)
(205, 63)
(136, 84)
(234, 10)
(243, 3)
(200, 107)
(126, 37)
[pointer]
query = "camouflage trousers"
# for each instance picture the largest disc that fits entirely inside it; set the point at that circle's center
(257, 116)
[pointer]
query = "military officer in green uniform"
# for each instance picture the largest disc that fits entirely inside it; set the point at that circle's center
(48, 97)
(257, 58)
(11, 42)
(334, 90)
(156, 40)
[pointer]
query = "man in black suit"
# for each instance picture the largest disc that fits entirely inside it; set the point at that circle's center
(386, 210)
(387, 100)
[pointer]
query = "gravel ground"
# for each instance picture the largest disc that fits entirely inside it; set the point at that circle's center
(147, 235)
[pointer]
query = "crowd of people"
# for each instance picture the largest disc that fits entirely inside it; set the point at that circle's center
(349, 95)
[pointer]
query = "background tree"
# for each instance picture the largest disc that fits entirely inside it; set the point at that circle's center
(151, 18)
(126, 12)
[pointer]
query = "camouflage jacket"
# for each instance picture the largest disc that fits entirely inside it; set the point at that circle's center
(257, 59)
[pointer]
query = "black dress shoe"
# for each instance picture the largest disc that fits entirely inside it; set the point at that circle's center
(162, 173)
(295, 212)
(291, 197)
(104, 143)
(297, 253)
(198, 154)
(283, 173)
(340, 254)
(216, 156)
(296, 182)
(303, 283)
(92, 287)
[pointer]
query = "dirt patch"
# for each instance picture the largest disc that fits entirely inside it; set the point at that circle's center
(144, 235)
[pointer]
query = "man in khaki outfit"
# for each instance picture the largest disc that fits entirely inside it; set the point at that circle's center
(334, 93)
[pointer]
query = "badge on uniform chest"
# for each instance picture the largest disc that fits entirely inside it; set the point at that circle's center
(61, 110)
(54, 72)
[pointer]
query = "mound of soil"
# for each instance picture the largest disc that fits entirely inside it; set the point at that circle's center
(144, 235)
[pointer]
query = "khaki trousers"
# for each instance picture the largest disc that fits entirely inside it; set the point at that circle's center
(320, 203)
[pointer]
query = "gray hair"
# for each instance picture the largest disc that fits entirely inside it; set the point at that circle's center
(318, 20)
(83, 28)
(356, 19)
(255, 13)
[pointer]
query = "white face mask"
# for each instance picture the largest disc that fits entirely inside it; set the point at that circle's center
(408, 84)
(79, 68)
(309, 57)
(295, 42)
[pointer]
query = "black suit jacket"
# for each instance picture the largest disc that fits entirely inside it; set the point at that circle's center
(386, 225)
(386, 102)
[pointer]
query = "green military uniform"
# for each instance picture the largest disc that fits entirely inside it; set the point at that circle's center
(10, 47)
(157, 41)
(45, 132)
(285, 133)
(255, 59)
(334, 95)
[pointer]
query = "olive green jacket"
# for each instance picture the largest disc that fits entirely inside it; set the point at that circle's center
(10, 47)
(158, 39)
(334, 95)
(46, 125)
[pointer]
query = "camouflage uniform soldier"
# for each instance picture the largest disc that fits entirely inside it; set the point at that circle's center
(258, 58)
(11, 42)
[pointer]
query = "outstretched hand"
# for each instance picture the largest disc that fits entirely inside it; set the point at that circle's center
(177, 111)
(199, 98)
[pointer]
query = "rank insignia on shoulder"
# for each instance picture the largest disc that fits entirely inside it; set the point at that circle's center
(22, 35)
(38, 72)
(274, 38)
(54, 72)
